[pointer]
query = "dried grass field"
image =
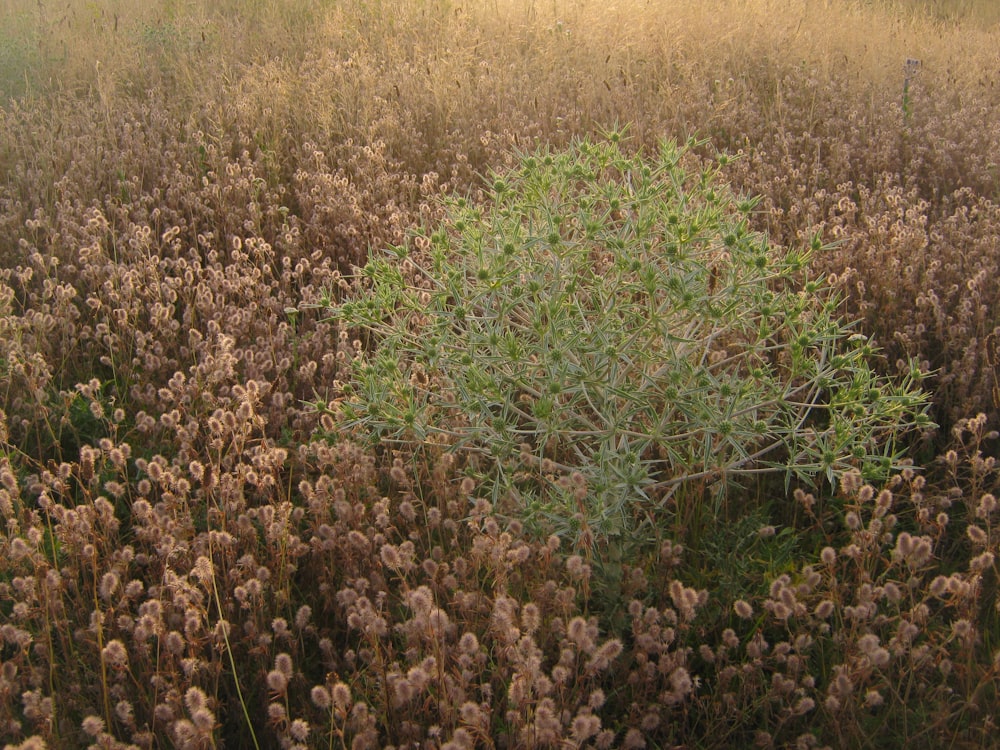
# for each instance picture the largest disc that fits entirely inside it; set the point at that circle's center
(500, 374)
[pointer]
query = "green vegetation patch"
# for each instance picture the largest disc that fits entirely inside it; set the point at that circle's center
(602, 331)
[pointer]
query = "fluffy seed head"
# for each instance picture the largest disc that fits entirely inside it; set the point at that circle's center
(341, 696)
(584, 727)
(299, 730)
(93, 725)
(115, 654)
(277, 681)
(195, 699)
(283, 663)
(320, 697)
(204, 720)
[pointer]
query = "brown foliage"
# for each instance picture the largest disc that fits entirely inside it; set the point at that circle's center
(180, 563)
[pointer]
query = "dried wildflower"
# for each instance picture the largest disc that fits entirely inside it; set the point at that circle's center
(982, 562)
(468, 643)
(302, 616)
(471, 713)
(939, 586)
(134, 588)
(757, 646)
(390, 556)
(283, 663)
(828, 556)
(18, 548)
(36, 707)
(681, 682)
(108, 585)
(685, 599)
(742, 609)
(115, 655)
(155, 471)
(341, 696)
(596, 699)
(420, 599)
(892, 592)
(851, 481)
(650, 721)
(195, 699)
(7, 477)
(530, 617)
(320, 697)
(299, 730)
(842, 684)
(560, 675)
(976, 535)
(398, 474)
(164, 713)
(576, 567)
(987, 505)
(962, 628)
(125, 713)
(460, 740)
(804, 706)
(603, 656)
(403, 691)
(633, 740)
(585, 726)
(93, 725)
(203, 720)
(546, 726)
(276, 713)
(407, 512)
(579, 633)
(174, 643)
(824, 609)
(806, 500)
(185, 733)
(115, 489)
(421, 674)
(280, 627)
(277, 681)
(873, 699)
(203, 570)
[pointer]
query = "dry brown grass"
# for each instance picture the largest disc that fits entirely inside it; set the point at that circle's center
(181, 565)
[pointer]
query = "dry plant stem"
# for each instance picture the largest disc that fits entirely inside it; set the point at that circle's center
(225, 634)
(53, 663)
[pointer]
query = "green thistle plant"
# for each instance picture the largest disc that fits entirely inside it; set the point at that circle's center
(604, 329)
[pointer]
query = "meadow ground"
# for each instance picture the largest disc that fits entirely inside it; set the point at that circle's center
(235, 517)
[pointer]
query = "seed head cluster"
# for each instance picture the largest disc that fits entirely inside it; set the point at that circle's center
(199, 547)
